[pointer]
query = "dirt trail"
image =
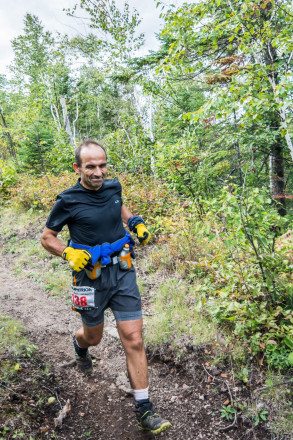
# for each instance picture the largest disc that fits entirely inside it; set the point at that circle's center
(100, 403)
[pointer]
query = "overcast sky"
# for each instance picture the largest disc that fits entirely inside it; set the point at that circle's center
(51, 13)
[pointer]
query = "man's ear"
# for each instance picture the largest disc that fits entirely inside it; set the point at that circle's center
(76, 168)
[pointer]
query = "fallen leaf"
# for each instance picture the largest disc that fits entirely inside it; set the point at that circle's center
(45, 429)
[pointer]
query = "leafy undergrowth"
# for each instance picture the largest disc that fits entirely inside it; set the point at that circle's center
(28, 401)
(237, 272)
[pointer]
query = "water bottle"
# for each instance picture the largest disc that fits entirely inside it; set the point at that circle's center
(124, 257)
(95, 272)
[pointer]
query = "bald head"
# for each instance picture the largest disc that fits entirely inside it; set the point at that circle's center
(88, 143)
(93, 166)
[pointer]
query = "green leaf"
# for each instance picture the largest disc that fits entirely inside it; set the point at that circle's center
(290, 358)
(289, 342)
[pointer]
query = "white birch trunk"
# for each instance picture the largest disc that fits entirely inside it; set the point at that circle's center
(74, 122)
(55, 116)
(66, 120)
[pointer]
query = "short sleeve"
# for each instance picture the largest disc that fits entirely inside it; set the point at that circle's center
(120, 190)
(58, 217)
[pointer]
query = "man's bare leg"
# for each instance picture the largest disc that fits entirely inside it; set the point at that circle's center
(130, 333)
(89, 336)
(84, 338)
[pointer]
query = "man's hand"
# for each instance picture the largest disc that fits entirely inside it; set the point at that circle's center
(137, 225)
(142, 233)
(77, 258)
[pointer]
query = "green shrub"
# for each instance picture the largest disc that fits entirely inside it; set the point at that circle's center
(153, 200)
(8, 179)
(244, 263)
(39, 193)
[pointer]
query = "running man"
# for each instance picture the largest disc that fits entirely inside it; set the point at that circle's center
(102, 278)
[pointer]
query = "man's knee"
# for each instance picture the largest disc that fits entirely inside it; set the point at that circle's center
(134, 341)
(90, 335)
(93, 339)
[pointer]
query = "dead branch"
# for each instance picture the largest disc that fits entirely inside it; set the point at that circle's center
(62, 414)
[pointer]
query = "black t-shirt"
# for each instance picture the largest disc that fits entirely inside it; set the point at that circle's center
(93, 217)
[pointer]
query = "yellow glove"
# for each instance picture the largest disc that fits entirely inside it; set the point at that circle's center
(142, 233)
(77, 258)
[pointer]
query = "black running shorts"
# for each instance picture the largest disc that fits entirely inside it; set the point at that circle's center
(116, 289)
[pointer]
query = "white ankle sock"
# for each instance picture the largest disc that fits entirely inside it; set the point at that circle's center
(141, 394)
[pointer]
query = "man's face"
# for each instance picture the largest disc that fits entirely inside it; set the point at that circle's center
(93, 168)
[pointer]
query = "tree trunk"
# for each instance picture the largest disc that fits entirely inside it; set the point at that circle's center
(66, 121)
(11, 146)
(277, 182)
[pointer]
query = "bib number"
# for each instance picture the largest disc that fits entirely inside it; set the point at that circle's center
(83, 297)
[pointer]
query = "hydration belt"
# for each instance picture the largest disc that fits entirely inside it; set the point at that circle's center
(104, 250)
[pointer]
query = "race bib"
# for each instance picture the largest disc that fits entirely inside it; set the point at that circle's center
(83, 297)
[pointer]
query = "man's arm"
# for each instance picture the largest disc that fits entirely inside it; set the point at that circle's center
(77, 258)
(135, 224)
(51, 243)
(125, 214)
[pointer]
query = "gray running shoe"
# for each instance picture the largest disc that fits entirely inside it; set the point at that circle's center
(152, 422)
